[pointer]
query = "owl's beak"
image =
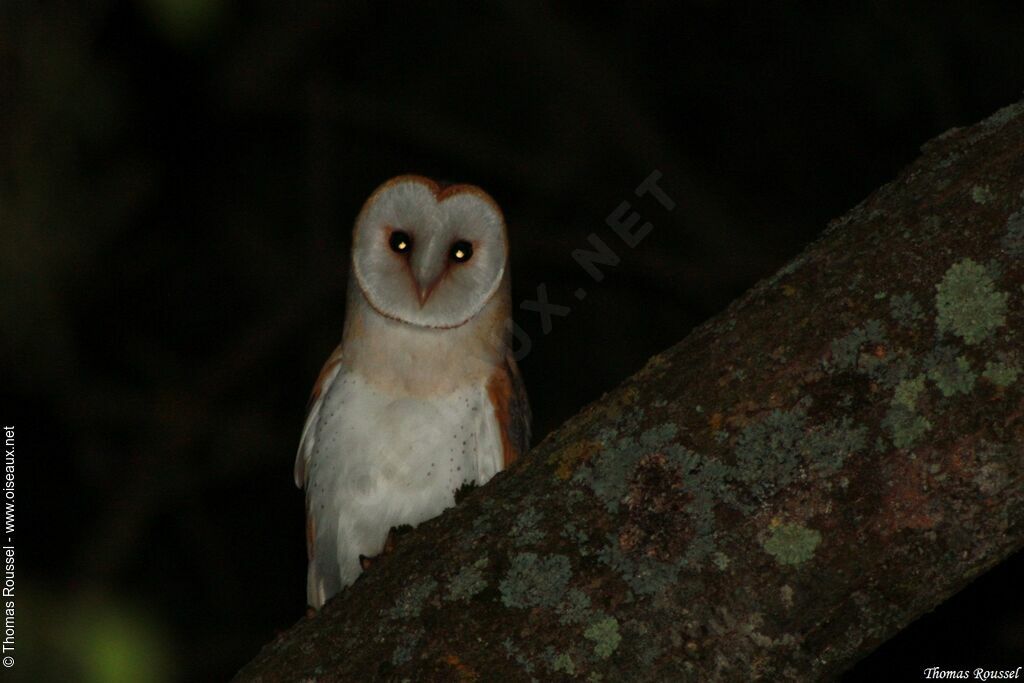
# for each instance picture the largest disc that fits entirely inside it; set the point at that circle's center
(424, 292)
(426, 276)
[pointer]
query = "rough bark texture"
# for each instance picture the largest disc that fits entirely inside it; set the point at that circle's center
(793, 483)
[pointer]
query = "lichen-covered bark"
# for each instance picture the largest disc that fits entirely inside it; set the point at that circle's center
(787, 487)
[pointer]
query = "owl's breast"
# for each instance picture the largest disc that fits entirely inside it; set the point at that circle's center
(402, 456)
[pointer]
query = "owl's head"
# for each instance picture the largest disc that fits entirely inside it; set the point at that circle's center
(429, 256)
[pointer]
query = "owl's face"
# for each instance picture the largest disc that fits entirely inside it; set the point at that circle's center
(428, 256)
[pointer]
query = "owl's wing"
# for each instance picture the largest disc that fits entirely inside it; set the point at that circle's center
(317, 588)
(320, 387)
(512, 408)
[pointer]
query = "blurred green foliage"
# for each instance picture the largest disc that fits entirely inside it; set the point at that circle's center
(92, 638)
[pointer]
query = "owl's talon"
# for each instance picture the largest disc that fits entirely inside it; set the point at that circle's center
(389, 545)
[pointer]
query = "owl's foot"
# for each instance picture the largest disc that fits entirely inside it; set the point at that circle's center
(394, 533)
(389, 545)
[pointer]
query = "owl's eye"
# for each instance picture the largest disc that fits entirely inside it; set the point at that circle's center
(400, 242)
(461, 251)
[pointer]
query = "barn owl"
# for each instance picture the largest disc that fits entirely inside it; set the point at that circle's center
(422, 395)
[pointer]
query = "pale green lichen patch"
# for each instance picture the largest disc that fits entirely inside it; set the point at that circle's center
(660, 436)
(953, 376)
(981, 194)
(639, 473)
(908, 391)
(406, 646)
(1002, 373)
(998, 462)
(613, 467)
(786, 593)
(649, 642)
(905, 425)
(1013, 240)
(792, 543)
(468, 582)
(536, 581)
(609, 478)
(948, 161)
(514, 653)
(905, 310)
(768, 452)
(410, 600)
(563, 663)
(968, 303)
(481, 526)
(994, 268)
(575, 533)
(721, 561)
(605, 635)
(644, 575)
(846, 351)
(827, 446)
(575, 609)
(991, 478)
(524, 529)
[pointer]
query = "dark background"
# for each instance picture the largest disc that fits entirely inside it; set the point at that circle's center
(179, 179)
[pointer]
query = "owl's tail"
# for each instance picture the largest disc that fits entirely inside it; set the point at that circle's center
(316, 590)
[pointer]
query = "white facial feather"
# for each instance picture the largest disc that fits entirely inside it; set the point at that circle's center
(435, 221)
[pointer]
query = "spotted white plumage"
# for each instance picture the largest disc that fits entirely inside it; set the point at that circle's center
(422, 395)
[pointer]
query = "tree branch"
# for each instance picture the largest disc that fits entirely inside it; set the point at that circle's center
(783, 490)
